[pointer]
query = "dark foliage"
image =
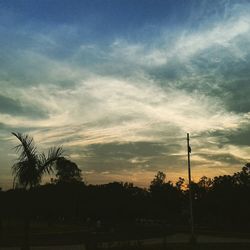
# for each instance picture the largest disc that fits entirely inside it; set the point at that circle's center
(67, 171)
(31, 165)
(222, 202)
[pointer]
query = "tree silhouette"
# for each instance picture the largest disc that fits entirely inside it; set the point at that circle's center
(159, 180)
(220, 204)
(31, 165)
(67, 171)
(180, 183)
(242, 178)
(165, 196)
(28, 172)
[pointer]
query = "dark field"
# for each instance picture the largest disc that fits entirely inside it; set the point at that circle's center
(124, 236)
(123, 216)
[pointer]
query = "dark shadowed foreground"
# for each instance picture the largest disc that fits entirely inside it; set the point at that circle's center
(123, 216)
(67, 212)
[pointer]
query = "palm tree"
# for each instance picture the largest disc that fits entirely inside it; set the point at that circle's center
(28, 172)
(31, 165)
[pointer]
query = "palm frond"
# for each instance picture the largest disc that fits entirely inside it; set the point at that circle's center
(26, 149)
(31, 165)
(47, 162)
(26, 174)
(26, 169)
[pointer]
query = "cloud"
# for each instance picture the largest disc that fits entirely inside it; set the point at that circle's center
(239, 136)
(131, 101)
(225, 158)
(128, 161)
(18, 108)
(106, 109)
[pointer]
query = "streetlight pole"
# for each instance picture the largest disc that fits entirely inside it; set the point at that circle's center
(192, 239)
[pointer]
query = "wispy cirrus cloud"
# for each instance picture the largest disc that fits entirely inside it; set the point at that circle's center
(124, 92)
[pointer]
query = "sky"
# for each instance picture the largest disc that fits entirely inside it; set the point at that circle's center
(119, 84)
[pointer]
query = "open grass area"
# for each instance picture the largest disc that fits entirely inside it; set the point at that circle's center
(75, 240)
(75, 236)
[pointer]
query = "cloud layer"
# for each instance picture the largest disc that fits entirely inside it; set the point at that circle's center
(122, 105)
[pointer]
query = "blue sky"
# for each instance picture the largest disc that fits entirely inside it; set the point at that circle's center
(120, 83)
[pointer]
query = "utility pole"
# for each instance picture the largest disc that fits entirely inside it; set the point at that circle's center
(192, 238)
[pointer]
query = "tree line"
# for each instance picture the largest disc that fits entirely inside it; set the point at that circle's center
(221, 202)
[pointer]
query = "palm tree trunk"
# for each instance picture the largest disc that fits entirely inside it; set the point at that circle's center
(1, 228)
(26, 239)
(26, 229)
